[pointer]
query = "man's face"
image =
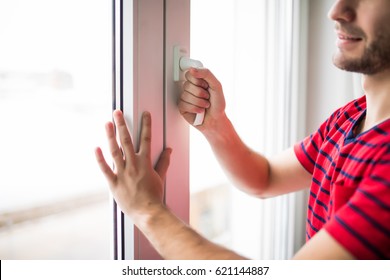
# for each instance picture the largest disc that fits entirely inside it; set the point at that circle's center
(363, 35)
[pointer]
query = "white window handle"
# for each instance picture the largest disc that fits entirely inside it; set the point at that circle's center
(182, 63)
(185, 63)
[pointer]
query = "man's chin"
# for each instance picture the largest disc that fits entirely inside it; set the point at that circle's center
(345, 64)
(349, 63)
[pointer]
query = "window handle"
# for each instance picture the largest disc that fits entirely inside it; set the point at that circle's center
(185, 63)
(181, 63)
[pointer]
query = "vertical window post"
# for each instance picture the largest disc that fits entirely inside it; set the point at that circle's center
(144, 34)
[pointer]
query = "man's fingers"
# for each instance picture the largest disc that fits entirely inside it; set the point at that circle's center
(116, 152)
(196, 90)
(206, 75)
(194, 100)
(124, 135)
(146, 135)
(163, 163)
(185, 107)
(104, 167)
(199, 82)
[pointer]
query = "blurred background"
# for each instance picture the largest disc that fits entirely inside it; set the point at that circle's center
(55, 97)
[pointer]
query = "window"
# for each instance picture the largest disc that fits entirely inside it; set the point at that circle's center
(55, 96)
(240, 54)
(259, 57)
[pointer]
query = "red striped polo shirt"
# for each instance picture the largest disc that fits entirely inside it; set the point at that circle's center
(350, 188)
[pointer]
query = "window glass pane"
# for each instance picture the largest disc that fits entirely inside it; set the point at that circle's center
(55, 96)
(210, 190)
(228, 37)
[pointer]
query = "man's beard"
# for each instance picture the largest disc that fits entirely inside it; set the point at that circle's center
(375, 59)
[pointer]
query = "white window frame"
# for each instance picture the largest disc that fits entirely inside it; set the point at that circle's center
(145, 32)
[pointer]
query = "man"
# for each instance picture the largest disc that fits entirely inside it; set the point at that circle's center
(345, 163)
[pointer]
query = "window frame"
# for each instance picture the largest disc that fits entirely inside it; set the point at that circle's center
(141, 78)
(144, 34)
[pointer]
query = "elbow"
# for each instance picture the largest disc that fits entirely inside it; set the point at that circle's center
(260, 192)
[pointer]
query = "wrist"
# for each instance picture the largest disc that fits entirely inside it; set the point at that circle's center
(148, 218)
(218, 130)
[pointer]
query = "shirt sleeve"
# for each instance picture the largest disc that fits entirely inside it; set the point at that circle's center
(362, 225)
(307, 150)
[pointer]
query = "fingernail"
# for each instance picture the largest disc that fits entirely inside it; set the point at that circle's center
(146, 115)
(117, 112)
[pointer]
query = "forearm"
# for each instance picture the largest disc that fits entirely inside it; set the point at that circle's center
(247, 169)
(173, 239)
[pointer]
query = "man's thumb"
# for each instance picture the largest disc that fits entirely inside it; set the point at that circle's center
(163, 163)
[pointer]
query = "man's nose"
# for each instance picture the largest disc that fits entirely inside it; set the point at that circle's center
(343, 11)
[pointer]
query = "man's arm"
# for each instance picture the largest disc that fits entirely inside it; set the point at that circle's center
(137, 187)
(323, 247)
(248, 170)
(175, 240)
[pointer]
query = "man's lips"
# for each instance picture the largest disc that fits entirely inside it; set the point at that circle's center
(347, 41)
(343, 36)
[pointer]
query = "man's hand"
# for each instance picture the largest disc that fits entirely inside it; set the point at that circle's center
(202, 91)
(136, 186)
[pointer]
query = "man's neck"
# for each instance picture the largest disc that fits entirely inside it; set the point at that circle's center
(377, 90)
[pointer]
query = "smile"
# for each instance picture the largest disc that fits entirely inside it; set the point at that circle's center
(349, 38)
(346, 41)
(343, 36)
